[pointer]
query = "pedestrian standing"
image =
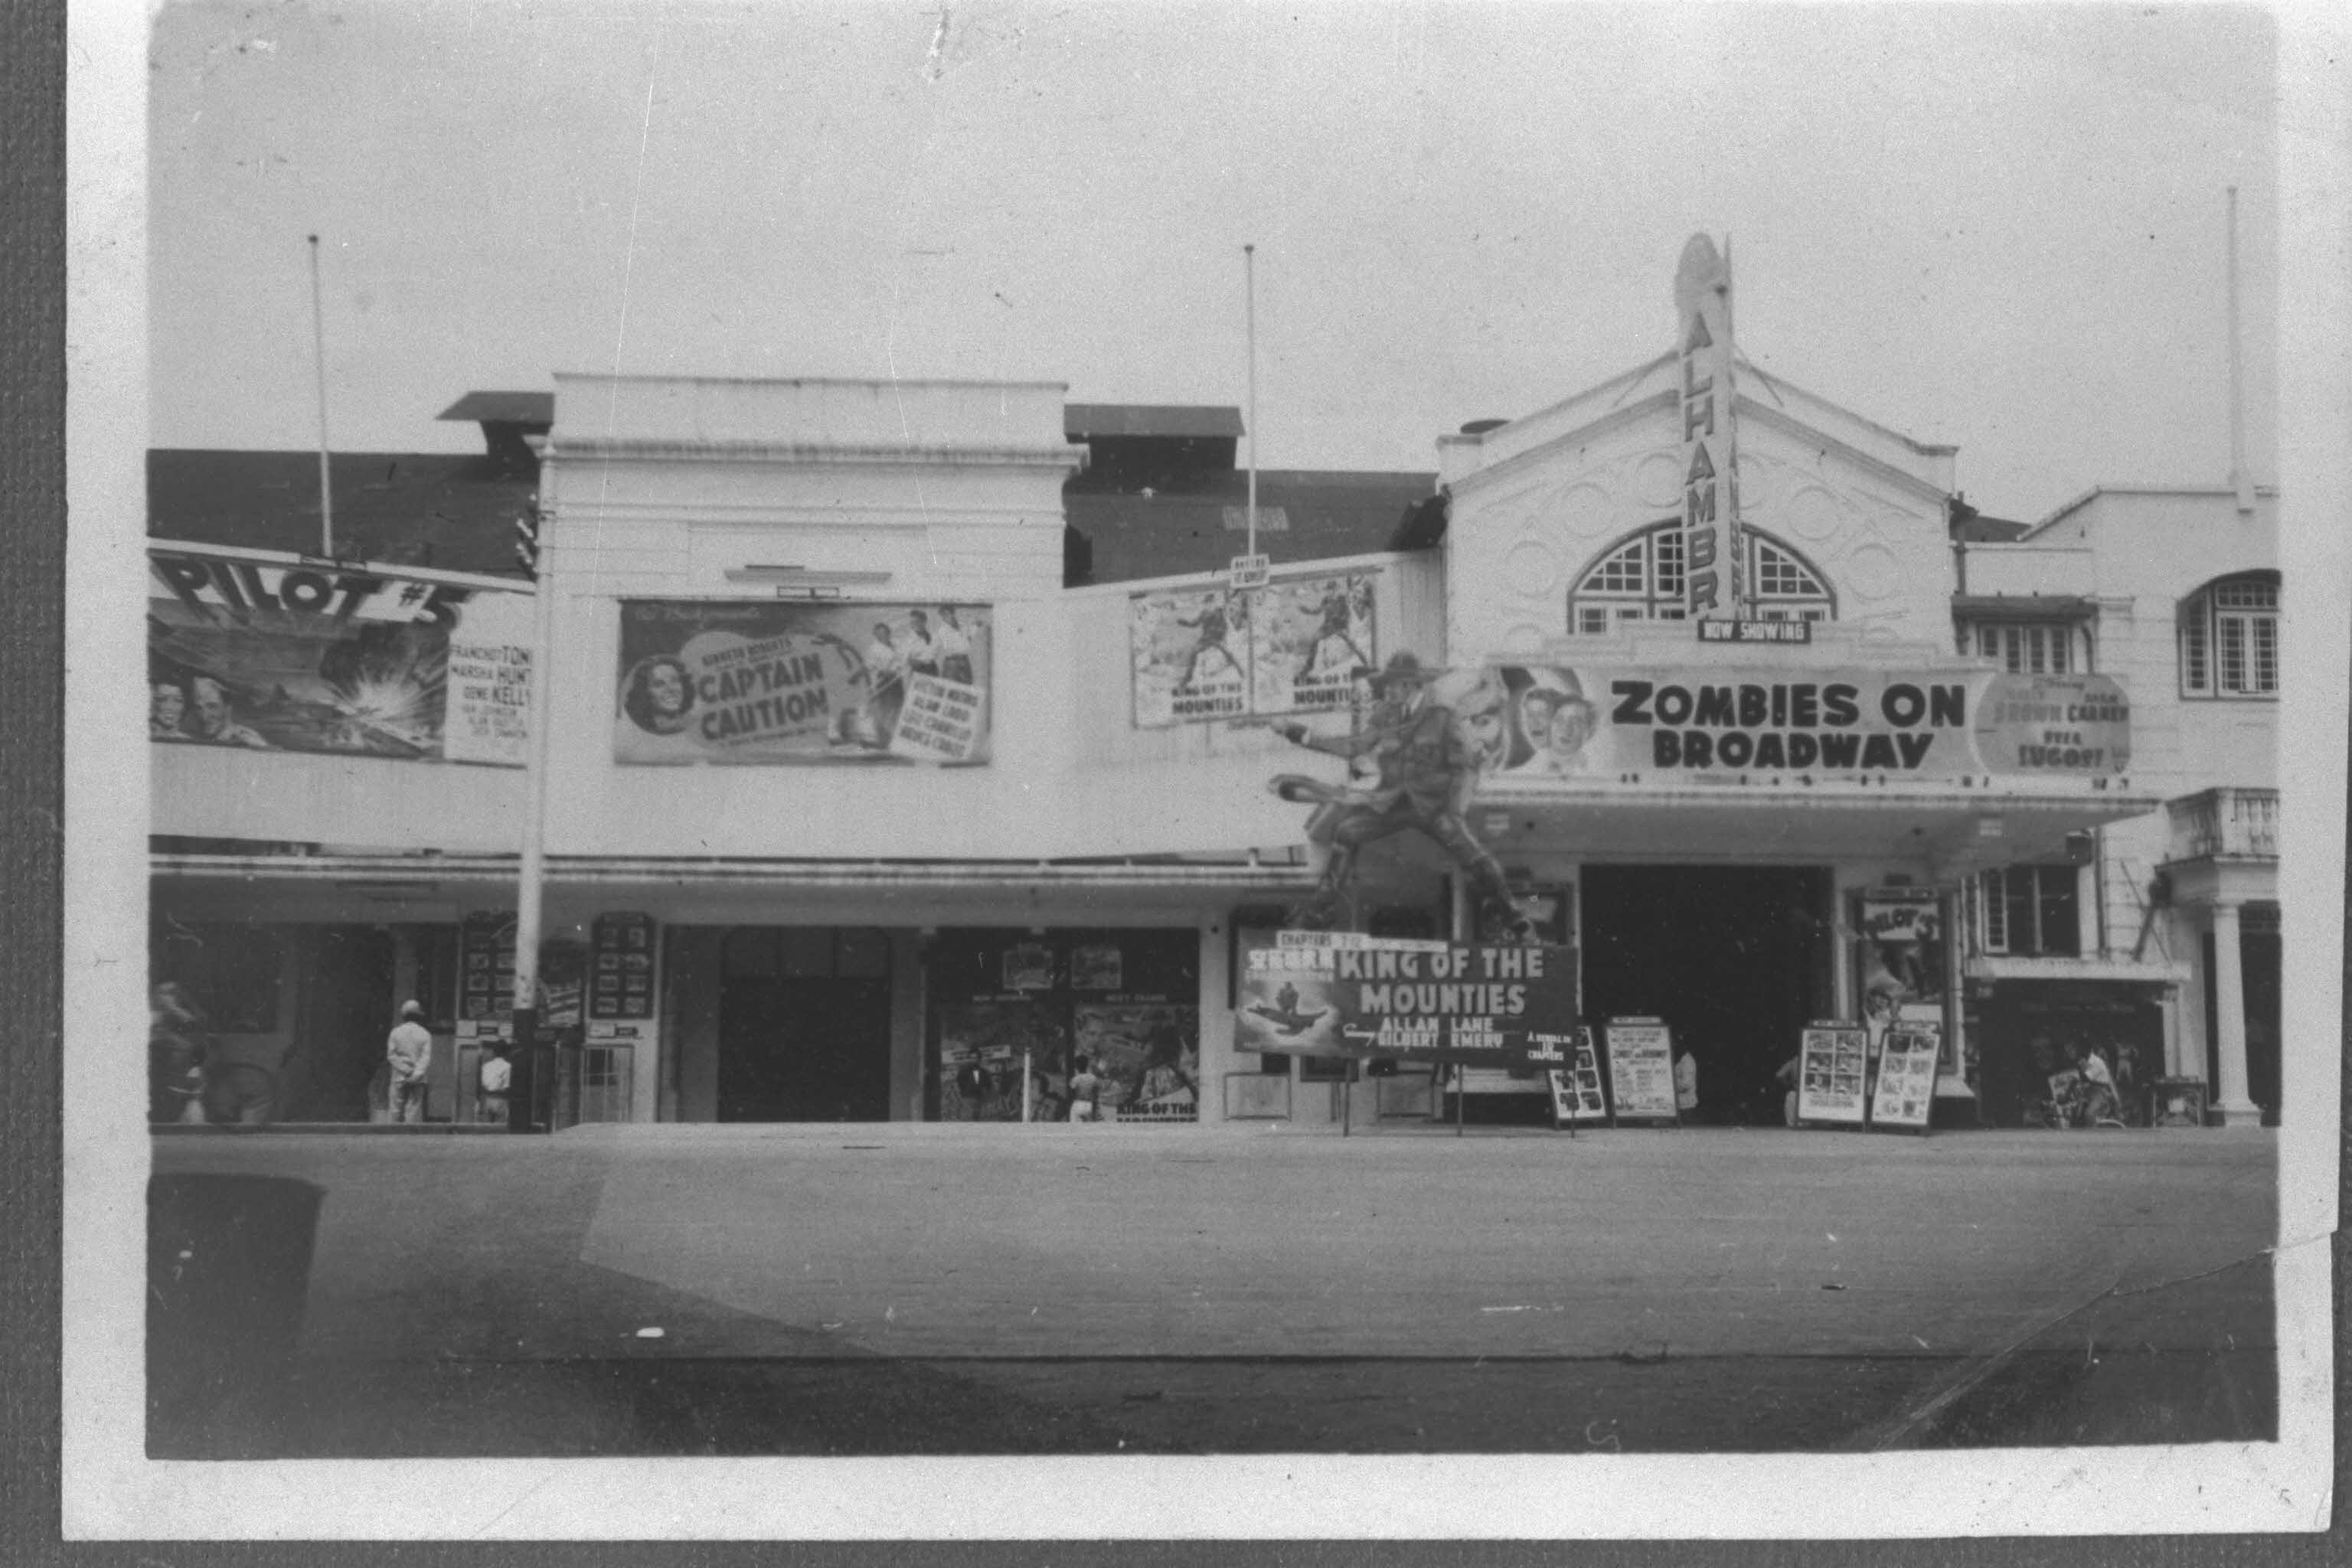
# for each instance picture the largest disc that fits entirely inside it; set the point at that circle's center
(972, 1088)
(497, 1076)
(1086, 1092)
(1788, 1075)
(1686, 1085)
(407, 1053)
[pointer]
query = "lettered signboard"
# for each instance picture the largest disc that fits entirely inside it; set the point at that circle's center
(1905, 1092)
(1576, 1092)
(1641, 1071)
(1829, 1074)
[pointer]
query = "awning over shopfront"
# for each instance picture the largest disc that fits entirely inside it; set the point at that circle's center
(393, 887)
(1954, 831)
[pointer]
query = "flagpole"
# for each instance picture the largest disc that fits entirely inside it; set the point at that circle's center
(2240, 479)
(1249, 274)
(318, 353)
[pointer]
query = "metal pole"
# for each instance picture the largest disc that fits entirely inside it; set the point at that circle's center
(2240, 482)
(1028, 1084)
(1458, 920)
(1249, 273)
(523, 1096)
(319, 354)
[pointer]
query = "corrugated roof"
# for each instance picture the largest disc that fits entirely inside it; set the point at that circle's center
(503, 408)
(458, 513)
(1080, 420)
(415, 508)
(1136, 536)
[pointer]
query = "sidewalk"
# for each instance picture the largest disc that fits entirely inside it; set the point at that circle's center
(1066, 1268)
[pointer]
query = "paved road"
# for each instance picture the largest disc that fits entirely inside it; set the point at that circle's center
(1069, 1287)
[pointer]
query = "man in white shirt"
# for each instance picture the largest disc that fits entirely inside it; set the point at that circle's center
(408, 1052)
(1686, 1085)
(954, 647)
(495, 1078)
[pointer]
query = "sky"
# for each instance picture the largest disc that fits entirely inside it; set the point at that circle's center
(2000, 227)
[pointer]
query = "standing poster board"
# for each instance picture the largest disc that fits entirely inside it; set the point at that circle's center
(1830, 1071)
(1905, 1092)
(1641, 1071)
(1575, 1093)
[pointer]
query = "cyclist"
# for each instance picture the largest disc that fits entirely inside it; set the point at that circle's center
(176, 1053)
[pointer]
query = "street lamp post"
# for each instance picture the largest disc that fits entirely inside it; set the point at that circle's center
(522, 1115)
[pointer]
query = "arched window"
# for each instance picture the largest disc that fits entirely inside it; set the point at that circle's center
(2229, 638)
(1784, 585)
(1640, 578)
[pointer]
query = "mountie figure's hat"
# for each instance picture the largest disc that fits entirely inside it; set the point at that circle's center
(1403, 669)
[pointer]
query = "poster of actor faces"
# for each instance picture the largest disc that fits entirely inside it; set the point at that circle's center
(268, 651)
(711, 680)
(1297, 646)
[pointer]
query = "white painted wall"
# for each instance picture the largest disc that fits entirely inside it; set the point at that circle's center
(221, 792)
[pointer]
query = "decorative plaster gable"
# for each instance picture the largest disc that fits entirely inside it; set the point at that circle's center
(1523, 531)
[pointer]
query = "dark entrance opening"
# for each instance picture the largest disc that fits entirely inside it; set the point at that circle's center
(328, 1073)
(804, 1026)
(1736, 959)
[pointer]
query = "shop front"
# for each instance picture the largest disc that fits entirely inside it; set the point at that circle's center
(1013, 1013)
(2033, 1038)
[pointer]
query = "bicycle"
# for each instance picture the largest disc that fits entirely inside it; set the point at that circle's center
(240, 1094)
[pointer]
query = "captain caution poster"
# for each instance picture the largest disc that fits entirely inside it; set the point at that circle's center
(731, 681)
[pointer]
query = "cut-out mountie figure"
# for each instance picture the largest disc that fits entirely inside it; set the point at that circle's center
(1430, 745)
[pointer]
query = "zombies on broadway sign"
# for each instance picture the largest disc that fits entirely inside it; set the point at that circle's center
(1839, 722)
(1338, 993)
(713, 681)
(271, 651)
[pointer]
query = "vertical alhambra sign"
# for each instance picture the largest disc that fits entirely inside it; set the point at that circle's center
(1713, 563)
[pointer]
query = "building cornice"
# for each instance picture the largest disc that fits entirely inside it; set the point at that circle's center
(425, 875)
(589, 449)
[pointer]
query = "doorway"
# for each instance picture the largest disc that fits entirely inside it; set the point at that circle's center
(804, 1025)
(344, 1014)
(1736, 959)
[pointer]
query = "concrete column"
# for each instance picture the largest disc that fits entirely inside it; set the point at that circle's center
(1846, 881)
(1951, 1082)
(2172, 1007)
(2230, 1021)
(1216, 1043)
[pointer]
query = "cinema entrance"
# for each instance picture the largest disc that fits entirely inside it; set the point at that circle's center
(804, 1025)
(1736, 959)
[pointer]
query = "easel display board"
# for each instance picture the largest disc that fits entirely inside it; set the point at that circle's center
(1905, 1093)
(1830, 1073)
(1576, 1092)
(1641, 1071)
